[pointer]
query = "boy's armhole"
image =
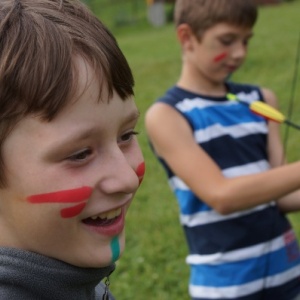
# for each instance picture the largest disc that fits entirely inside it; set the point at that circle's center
(269, 97)
(173, 106)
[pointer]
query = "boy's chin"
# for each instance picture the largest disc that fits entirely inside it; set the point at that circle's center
(103, 257)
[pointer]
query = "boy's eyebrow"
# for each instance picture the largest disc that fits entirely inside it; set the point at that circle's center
(69, 141)
(231, 34)
(67, 144)
(133, 116)
(250, 35)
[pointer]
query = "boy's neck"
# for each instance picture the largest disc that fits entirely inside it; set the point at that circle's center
(201, 85)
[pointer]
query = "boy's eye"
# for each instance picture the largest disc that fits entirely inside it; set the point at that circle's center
(246, 42)
(226, 41)
(128, 136)
(80, 155)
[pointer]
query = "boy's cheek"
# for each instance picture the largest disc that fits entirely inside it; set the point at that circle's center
(63, 196)
(220, 57)
(78, 197)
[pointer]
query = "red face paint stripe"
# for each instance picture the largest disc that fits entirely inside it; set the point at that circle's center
(140, 171)
(220, 57)
(66, 196)
(73, 211)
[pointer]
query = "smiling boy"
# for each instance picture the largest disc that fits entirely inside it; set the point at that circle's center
(70, 161)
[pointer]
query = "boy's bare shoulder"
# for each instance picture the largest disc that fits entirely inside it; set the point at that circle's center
(158, 111)
(270, 97)
(159, 114)
(164, 125)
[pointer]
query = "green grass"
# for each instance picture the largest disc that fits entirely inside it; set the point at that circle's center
(153, 265)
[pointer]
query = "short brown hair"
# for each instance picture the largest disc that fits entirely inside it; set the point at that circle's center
(38, 42)
(201, 15)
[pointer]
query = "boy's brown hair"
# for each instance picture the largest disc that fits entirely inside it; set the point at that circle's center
(38, 42)
(201, 15)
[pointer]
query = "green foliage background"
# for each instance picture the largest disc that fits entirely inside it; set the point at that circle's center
(153, 265)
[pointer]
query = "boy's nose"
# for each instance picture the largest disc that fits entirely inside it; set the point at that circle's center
(119, 176)
(239, 51)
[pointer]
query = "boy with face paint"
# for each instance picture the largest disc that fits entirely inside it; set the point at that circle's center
(70, 162)
(224, 163)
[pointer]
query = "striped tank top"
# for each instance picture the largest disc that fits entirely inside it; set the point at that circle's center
(247, 255)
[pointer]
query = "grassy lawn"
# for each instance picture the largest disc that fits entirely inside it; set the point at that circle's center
(153, 265)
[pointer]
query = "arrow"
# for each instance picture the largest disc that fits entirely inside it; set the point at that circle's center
(265, 110)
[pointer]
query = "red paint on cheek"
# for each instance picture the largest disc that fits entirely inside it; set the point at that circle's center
(66, 196)
(220, 57)
(72, 211)
(140, 171)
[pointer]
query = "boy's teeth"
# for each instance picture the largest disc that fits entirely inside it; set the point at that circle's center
(108, 215)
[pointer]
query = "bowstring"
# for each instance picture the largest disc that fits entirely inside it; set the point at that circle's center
(292, 99)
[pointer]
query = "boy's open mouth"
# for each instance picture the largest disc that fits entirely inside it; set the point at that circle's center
(103, 219)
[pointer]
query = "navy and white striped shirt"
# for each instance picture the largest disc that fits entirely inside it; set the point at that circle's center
(247, 255)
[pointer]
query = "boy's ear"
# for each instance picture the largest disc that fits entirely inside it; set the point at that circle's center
(185, 36)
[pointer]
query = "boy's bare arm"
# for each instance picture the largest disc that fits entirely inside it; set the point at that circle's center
(290, 202)
(275, 147)
(172, 139)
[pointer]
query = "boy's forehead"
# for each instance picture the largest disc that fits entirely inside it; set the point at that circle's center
(86, 89)
(85, 75)
(228, 28)
(87, 83)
